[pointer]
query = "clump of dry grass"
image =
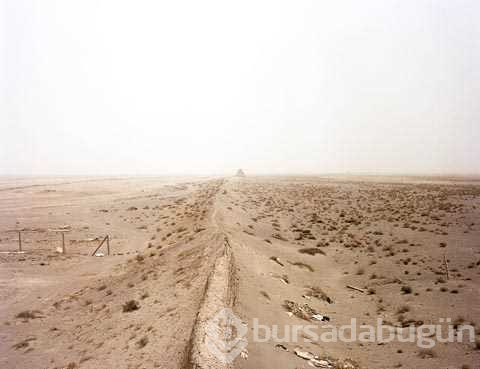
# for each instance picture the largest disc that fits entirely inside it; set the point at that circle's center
(302, 265)
(29, 314)
(278, 236)
(318, 293)
(131, 305)
(142, 342)
(457, 323)
(144, 295)
(23, 344)
(477, 343)
(406, 290)
(311, 251)
(360, 271)
(427, 354)
(403, 309)
(277, 260)
(139, 258)
(304, 312)
(264, 294)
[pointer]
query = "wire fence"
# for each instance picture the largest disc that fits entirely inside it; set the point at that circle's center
(61, 240)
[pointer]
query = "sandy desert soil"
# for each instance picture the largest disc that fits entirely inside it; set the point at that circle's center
(273, 248)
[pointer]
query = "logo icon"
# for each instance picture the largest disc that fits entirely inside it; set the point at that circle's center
(225, 336)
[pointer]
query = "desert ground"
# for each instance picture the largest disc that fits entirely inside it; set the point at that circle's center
(280, 249)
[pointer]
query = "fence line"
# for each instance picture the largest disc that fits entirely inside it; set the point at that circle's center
(62, 232)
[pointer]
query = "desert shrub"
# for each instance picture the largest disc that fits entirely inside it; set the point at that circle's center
(264, 294)
(403, 309)
(427, 353)
(302, 265)
(458, 322)
(477, 343)
(23, 344)
(311, 251)
(29, 314)
(406, 290)
(318, 293)
(142, 342)
(144, 296)
(131, 305)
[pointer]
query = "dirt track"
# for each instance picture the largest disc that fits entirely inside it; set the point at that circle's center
(185, 248)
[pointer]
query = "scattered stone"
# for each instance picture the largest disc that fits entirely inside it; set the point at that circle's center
(277, 260)
(305, 311)
(304, 354)
(281, 347)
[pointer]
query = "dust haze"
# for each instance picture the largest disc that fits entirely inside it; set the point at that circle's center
(106, 88)
(204, 184)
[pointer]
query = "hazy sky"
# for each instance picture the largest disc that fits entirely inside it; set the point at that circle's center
(162, 87)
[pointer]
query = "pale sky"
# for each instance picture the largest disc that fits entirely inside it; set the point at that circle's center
(204, 87)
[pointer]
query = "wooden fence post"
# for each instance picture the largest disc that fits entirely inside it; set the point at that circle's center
(101, 243)
(20, 241)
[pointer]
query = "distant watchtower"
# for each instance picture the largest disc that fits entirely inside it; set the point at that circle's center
(240, 173)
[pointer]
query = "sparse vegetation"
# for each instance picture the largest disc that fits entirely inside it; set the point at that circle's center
(427, 354)
(360, 271)
(23, 344)
(29, 314)
(403, 309)
(406, 290)
(160, 279)
(318, 293)
(264, 294)
(142, 342)
(131, 305)
(302, 265)
(312, 251)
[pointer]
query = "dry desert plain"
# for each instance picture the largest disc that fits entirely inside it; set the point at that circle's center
(280, 249)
